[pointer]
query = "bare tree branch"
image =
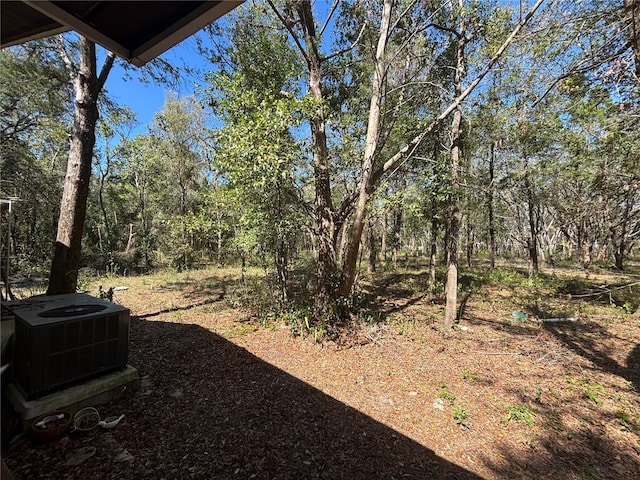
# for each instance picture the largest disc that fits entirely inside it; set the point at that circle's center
(326, 22)
(288, 24)
(350, 47)
(59, 40)
(404, 153)
(104, 71)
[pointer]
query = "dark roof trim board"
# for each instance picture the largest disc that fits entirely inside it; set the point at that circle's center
(137, 31)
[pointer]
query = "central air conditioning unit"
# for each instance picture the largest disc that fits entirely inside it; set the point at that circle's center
(62, 339)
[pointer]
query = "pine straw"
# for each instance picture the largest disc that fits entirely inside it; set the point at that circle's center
(223, 398)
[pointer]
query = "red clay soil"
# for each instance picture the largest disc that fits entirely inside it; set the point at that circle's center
(224, 397)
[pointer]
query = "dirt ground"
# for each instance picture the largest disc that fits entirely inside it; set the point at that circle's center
(225, 395)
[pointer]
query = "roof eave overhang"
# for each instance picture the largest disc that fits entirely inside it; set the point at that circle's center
(61, 21)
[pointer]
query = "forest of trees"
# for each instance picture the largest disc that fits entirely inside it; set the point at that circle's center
(332, 134)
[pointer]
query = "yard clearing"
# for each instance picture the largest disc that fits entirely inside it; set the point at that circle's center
(225, 393)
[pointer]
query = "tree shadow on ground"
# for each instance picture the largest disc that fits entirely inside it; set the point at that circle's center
(584, 449)
(179, 309)
(208, 409)
(554, 457)
(582, 340)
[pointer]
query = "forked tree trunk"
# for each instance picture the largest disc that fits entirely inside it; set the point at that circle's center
(370, 153)
(325, 218)
(73, 207)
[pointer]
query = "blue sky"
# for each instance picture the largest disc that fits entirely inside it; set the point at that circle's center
(145, 99)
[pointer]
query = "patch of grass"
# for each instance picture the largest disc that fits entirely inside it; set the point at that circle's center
(627, 422)
(401, 325)
(626, 307)
(591, 390)
(239, 330)
(500, 276)
(520, 413)
(302, 323)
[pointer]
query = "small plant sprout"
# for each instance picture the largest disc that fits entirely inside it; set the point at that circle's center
(520, 413)
(470, 376)
(460, 416)
(445, 394)
(538, 393)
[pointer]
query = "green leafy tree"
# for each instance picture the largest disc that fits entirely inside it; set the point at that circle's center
(256, 152)
(34, 115)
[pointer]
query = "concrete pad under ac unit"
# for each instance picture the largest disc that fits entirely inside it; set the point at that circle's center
(93, 392)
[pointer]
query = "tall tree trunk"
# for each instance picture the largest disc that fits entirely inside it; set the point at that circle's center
(433, 251)
(325, 222)
(33, 228)
(451, 286)
(73, 207)
(532, 243)
(469, 241)
(396, 226)
(130, 239)
(370, 153)
(385, 226)
(619, 237)
(371, 247)
(141, 184)
(490, 194)
(219, 246)
(103, 209)
(281, 253)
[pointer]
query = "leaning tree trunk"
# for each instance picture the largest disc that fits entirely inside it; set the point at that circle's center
(370, 153)
(73, 207)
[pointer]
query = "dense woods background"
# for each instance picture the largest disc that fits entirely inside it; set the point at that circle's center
(328, 137)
